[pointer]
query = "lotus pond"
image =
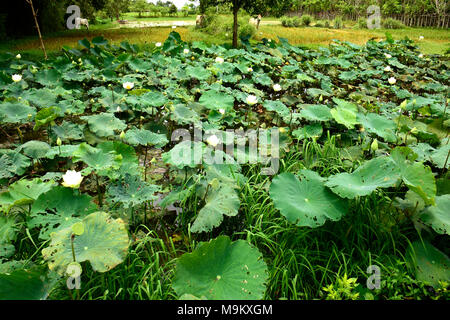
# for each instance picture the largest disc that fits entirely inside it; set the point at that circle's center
(98, 199)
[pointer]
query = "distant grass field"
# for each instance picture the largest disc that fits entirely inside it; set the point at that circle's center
(436, 41)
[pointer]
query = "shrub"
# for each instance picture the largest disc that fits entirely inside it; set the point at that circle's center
(338, 23)
(247, 30)
(390, 23)
(326, 24)
(362, 23)
(306, 20)
(284, 21)
(296, 21)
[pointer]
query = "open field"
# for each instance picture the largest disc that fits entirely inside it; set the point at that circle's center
(435, 41)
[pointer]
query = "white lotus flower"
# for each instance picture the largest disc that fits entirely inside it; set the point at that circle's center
(213, 140)
(158, 44)
(16, 77)
(219, 60)
(18, 56)
(270, 40)
(128, 85)
(276, 87)
(387, 69)
(387, 55)
(222, 111)
(250, 69)
(174, 27)
(118, 109)
(72, 179)
(186, 51)
(392, 80)
(251, 100)
(420, 56)
(421, 38)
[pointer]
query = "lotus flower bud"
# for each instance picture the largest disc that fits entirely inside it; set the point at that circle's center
(374, 145)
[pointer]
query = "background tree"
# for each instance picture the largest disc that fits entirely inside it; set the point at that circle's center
(173, 9)
(114, 8)
(139, 6)
(251, 6)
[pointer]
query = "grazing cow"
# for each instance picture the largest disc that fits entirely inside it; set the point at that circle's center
(79, 21)
(199, 21)
(255, 21)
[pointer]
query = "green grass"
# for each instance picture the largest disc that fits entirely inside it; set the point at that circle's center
(436, 41)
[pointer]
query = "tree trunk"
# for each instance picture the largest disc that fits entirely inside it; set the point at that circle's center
(235, 23)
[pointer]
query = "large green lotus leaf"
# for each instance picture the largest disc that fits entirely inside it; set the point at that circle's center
(421, 180)
(216, 100)
(345, 113)
(5, 167)
(48, 77)
(277, 106)
(310, 131)
(8, 229)
(145, 138)
(415, 175)
(131, 191)
(34, 149)
(153, 99)
(315, 112)
(226, 174)
(40, 97)
(16, 163)
(376, 173)
(199, 72)
(423, 151)
(104, 124)
(438, 216)
(184, 115)
(221, 201)
(307, 202)
(104, 243)
(45, 116)
(65, 150)
(97, 159)
(16, 113)
(315, 93)
(23, 192)
(185, 154)
(59, 208)
(262, 79)
(430, 264)
(379, 125)
(24, 285)
(126, 158)
(348, 75)
(440, 157)
(68, 131)
(222, 270)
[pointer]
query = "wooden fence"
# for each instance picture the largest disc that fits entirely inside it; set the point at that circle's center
(424, 20)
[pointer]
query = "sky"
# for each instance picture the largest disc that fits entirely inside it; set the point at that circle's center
(178, 3)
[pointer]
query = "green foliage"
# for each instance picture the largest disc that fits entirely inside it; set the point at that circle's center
(221, 269)
(338, 22)
(104, 243)
(306, 20)
(390, 23)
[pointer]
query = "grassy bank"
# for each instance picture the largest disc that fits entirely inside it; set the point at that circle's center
(436, 41)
